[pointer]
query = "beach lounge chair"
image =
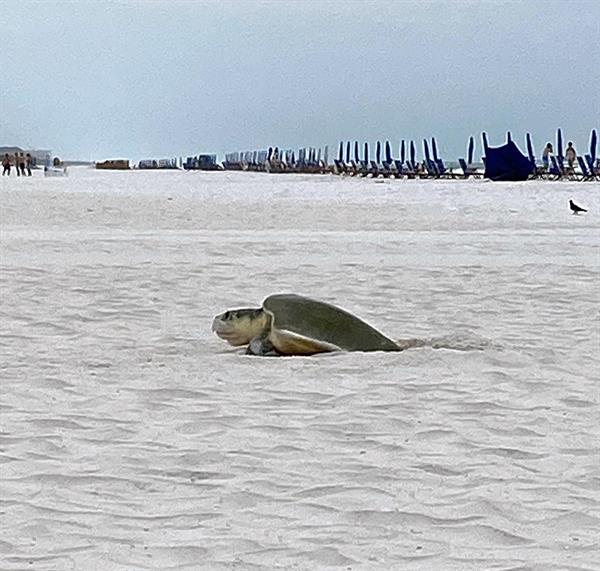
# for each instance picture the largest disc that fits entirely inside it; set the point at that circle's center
(594, 168)
(467, 170)
(398, 169)
(351, 168)
(431, 169)
(586, 173)
(410, 170)
(386, 169)
(555, 170)
(340, 166)
(591, 166)
(374, 169)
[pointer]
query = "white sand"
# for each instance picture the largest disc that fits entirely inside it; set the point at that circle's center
(133, 438)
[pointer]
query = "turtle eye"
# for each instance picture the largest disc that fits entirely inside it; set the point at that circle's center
(226, 316)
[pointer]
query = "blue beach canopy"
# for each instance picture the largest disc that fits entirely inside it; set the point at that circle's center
(507, 163)
(470, 150)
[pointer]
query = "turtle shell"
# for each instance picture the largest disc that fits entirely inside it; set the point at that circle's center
(304, 326)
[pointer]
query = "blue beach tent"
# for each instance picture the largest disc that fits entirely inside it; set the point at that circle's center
(506, 163)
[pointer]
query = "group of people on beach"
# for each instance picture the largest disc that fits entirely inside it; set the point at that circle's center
(570, 155)
(22, 164)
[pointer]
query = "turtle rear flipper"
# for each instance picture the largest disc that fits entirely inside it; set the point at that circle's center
(289, 343)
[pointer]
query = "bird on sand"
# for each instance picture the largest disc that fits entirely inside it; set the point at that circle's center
(576, 209)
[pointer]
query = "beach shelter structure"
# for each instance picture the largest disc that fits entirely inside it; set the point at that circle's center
(507, 163)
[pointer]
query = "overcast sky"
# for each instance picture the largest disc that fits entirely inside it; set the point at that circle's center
(94, 80)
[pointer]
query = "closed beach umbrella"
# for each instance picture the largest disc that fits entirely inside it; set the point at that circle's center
(402, 152)
(378, 152)
(426, 150)
(559, 148)
(388, 152)
(434, 149)
(348, 152)
(530, 149)
(356, 155)
(413, 153)
(593, 142)
(471, 150)
(341, 152)
(326, 155)
(366, 152)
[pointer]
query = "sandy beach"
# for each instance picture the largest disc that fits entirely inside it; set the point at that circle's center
(132, 438)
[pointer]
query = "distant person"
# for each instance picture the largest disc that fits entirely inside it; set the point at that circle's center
(6, 165)
(16, 161)
(22, 163)
(570, 155)
(28, 163)
(548, 150)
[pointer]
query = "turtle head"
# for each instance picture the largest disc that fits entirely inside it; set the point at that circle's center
(239, 326)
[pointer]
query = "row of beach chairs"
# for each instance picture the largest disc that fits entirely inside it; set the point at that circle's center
(432, 166)
(429, 168)
(557, 170)
(589, 165)
(587, 168)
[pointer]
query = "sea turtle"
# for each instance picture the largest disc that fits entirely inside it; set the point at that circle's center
(290, 324)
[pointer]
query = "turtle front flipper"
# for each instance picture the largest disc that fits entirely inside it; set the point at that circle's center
(262, 347)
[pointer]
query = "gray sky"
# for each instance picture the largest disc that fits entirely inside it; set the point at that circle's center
(93, 80)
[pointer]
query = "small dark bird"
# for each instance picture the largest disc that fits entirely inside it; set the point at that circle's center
(576, 209)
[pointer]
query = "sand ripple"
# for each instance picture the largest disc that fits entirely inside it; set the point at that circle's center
(131, 438)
